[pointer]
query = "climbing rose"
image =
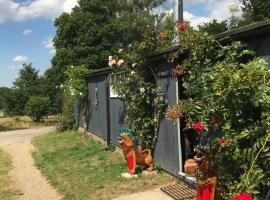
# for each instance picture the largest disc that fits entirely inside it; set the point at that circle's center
(221, 141)
(133, 65)
(229, 141)
(242, 196)
(120, 50)
(198, 127)
(132, 72)
(142, 90)
(182, 25)
(120, 62)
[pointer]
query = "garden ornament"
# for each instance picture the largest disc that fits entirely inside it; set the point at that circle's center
(135, 157)
(207, 180)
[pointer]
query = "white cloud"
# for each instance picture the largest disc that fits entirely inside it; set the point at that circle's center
(48, 44)
(20, 58)
(12, 11)
(27, 32)
(216, 9)
(195, 20)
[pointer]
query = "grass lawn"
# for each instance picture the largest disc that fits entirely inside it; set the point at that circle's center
(24, 122)
(6, 192)
(80, 168)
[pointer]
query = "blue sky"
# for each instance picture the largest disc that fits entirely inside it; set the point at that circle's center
(27, 29)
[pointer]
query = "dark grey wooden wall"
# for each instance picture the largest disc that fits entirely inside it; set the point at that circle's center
(97, 95)
(167, 149)
(261, 45)
(116, 118)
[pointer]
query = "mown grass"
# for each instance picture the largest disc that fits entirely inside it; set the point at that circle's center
(24, 122)
(6, 190)
(81, 168)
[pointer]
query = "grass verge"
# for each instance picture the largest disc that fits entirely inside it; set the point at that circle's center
(24, 122)
(6, 192)
(81, 169)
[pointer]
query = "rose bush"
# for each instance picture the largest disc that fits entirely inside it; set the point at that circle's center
(229, 82)
(137, 86)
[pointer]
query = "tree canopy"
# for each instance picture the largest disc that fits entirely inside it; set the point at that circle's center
(256, 10)
(213, 27)
(94, 30)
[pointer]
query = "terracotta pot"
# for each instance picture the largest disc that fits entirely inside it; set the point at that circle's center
(191, 167)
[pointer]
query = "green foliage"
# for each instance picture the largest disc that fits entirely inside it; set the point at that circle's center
(37, 107)
(92, 31)
(13, 100)
(229, 82)
(256, 10)
(67, 120)
(137, 86)
(76, 81)
(75, 87)
(213, 27)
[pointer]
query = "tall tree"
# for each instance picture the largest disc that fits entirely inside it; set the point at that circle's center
(256, 10)
(213, 27)
(94, 30)
(26, 85)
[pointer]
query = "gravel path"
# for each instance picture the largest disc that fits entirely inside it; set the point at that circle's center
(26, 176)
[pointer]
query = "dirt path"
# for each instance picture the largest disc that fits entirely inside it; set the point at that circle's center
(26, 176)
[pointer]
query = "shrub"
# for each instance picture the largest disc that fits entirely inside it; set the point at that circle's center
(227, 90)
(67, 120)
(37, 107)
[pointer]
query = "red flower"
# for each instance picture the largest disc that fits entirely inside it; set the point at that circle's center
(182, 25)
(178, 71)
(198, 127)
(242, 196)
(221, 141)
(229, 141)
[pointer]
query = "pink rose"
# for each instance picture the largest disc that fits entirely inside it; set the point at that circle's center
(242, 196)
(198, 127)
(182, 25)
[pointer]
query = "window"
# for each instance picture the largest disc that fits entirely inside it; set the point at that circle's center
(114, 78)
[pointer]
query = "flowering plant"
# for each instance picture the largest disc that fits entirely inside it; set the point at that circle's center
(138, 87)
(227, 89)
(177, 71)
(174, 112)
(182, 25)
(198, 127)
(242, 196)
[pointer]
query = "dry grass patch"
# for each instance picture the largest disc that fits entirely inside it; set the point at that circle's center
(82, 169)
(6, 190)
(24, 122)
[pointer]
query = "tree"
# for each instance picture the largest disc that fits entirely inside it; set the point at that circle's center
(37, 107)
(94, 30)
(256, 10)
(26, 85)
(27, 79)
(213, 27)
(10, 100)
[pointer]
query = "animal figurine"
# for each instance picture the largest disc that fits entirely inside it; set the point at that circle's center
(207, 181)
(135, 156)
